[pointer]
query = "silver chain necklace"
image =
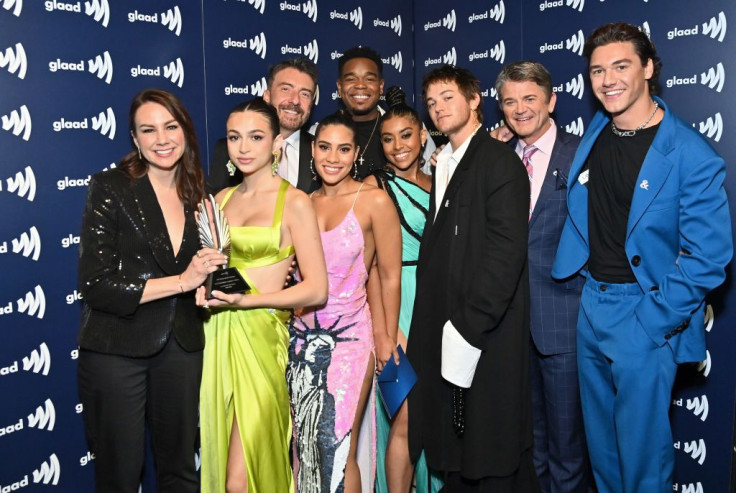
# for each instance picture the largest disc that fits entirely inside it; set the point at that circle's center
(631, 133)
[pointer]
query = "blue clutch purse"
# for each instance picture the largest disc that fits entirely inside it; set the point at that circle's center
(395, 382)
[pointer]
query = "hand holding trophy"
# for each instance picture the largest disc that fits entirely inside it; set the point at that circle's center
(214, 232)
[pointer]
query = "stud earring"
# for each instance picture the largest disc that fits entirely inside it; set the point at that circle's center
(311, 168)
(275, 163)
(230, 168)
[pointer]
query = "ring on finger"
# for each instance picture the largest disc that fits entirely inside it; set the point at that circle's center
(198, 254)
(206, 305)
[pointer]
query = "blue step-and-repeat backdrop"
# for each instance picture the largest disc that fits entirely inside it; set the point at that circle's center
(68, 70)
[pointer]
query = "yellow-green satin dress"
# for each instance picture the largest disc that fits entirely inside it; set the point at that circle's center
(245, 358)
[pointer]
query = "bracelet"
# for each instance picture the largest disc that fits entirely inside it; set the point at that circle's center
(180, 284)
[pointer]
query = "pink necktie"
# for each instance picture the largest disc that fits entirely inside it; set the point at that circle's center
(526, 159)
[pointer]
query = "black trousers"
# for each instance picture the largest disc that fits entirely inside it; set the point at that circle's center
(523, 480)
(121, 395)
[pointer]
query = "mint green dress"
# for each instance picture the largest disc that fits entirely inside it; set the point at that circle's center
(412, 203)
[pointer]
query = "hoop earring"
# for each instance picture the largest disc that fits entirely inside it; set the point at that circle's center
(275, 163)
(230, 168)
(311, 168)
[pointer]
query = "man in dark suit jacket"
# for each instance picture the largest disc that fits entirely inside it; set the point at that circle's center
(470, 326)
(290, 90)
(560, 455)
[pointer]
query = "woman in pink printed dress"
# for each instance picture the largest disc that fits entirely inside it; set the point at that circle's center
(336, 350)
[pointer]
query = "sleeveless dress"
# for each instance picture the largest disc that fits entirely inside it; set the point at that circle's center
(328, 355)
(412, 204)
(245, 357)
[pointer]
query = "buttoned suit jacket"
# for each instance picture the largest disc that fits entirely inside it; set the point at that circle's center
(678, 235)
(472, 270)
(554, 304)
(219, 178)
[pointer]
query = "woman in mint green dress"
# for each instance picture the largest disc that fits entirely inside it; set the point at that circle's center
(403, 139)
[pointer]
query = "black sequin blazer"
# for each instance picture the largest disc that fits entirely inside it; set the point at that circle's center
(124, 242)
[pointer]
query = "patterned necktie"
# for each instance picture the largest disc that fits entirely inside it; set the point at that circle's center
(526, 159)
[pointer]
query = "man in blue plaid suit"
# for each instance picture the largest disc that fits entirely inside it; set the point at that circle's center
(560, 455)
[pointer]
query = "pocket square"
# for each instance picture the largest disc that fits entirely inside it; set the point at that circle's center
(395, 382)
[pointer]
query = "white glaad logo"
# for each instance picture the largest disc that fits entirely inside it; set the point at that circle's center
(497, 52)
(698, 405)
(715, 28)
(449, 58)
(709, 316)
(574, 43)
(393, 24)
(704, 366)
(39, 361)
(27, 244)
(171, 19)
(104, 123)
(449, 21)
(14, 60)
(173, 71)
(32, 304)
(574, 4)
(23, 184)
(713, 129)
(15, 5)
(645, 29)
(47, 473)
(309, 50)
(396, 61)
(713, 78)
(490, 93)
(309, 8)
(99, 10)
(576, 127)
(575, 87)
(688, 487)
(100, 66)
(496, 13)
(255, 89)
(354, 16)
(43, 418)
(695, 449)
(257, 44)
(18, 122)
(316, 95)
(259, 5)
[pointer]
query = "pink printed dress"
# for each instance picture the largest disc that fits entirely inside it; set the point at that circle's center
(329, 351)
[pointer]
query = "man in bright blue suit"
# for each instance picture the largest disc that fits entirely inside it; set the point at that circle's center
(526, 98)
(649, 227)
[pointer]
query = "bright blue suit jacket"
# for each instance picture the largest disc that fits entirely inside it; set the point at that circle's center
(678, 238)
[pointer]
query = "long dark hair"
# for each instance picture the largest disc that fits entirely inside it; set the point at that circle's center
(188, 175)
(258, 105)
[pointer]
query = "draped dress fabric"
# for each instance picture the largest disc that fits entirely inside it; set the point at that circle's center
(412, 204)
(328, 356)
(245, 358)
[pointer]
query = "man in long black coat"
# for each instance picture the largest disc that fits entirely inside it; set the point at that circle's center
(471, 408)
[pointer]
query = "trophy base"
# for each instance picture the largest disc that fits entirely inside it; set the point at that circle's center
(226, 280)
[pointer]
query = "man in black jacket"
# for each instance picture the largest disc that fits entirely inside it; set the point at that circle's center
(290, 90)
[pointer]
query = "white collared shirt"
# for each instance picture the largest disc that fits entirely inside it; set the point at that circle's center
(289, 164)
(447, 161)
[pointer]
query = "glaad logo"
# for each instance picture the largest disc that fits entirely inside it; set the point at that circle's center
(104, 123)
(709, 317)
(39, 361)
(174, 71)
(18, 122)
(450, 58)
(99, 10)
(490, 93)
(712, 128)
(44, 418)
(576, 127)
(574, 43)
(498, 53)
(689, 488)
(715, 28)
(645, 28)
(69, 240)
(576, 87)
(27, 244)
(24, 185)
(257, 44)
(393, 24)
(356, 17)
(171, 19)
(699, 407)
(101, 66)
(449, 21)
(309, 50)
(16, 5)
(714, 78)
(32, 304)
(309, 8)
(316, 95)
(696, 449)
(497, 13)
(259, 87)
(49, 471)
(396, 61)
(15, 60)
(259, 5)
(704, 366)
(575, 4)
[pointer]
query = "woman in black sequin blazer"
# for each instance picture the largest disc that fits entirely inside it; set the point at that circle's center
(141, 339)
